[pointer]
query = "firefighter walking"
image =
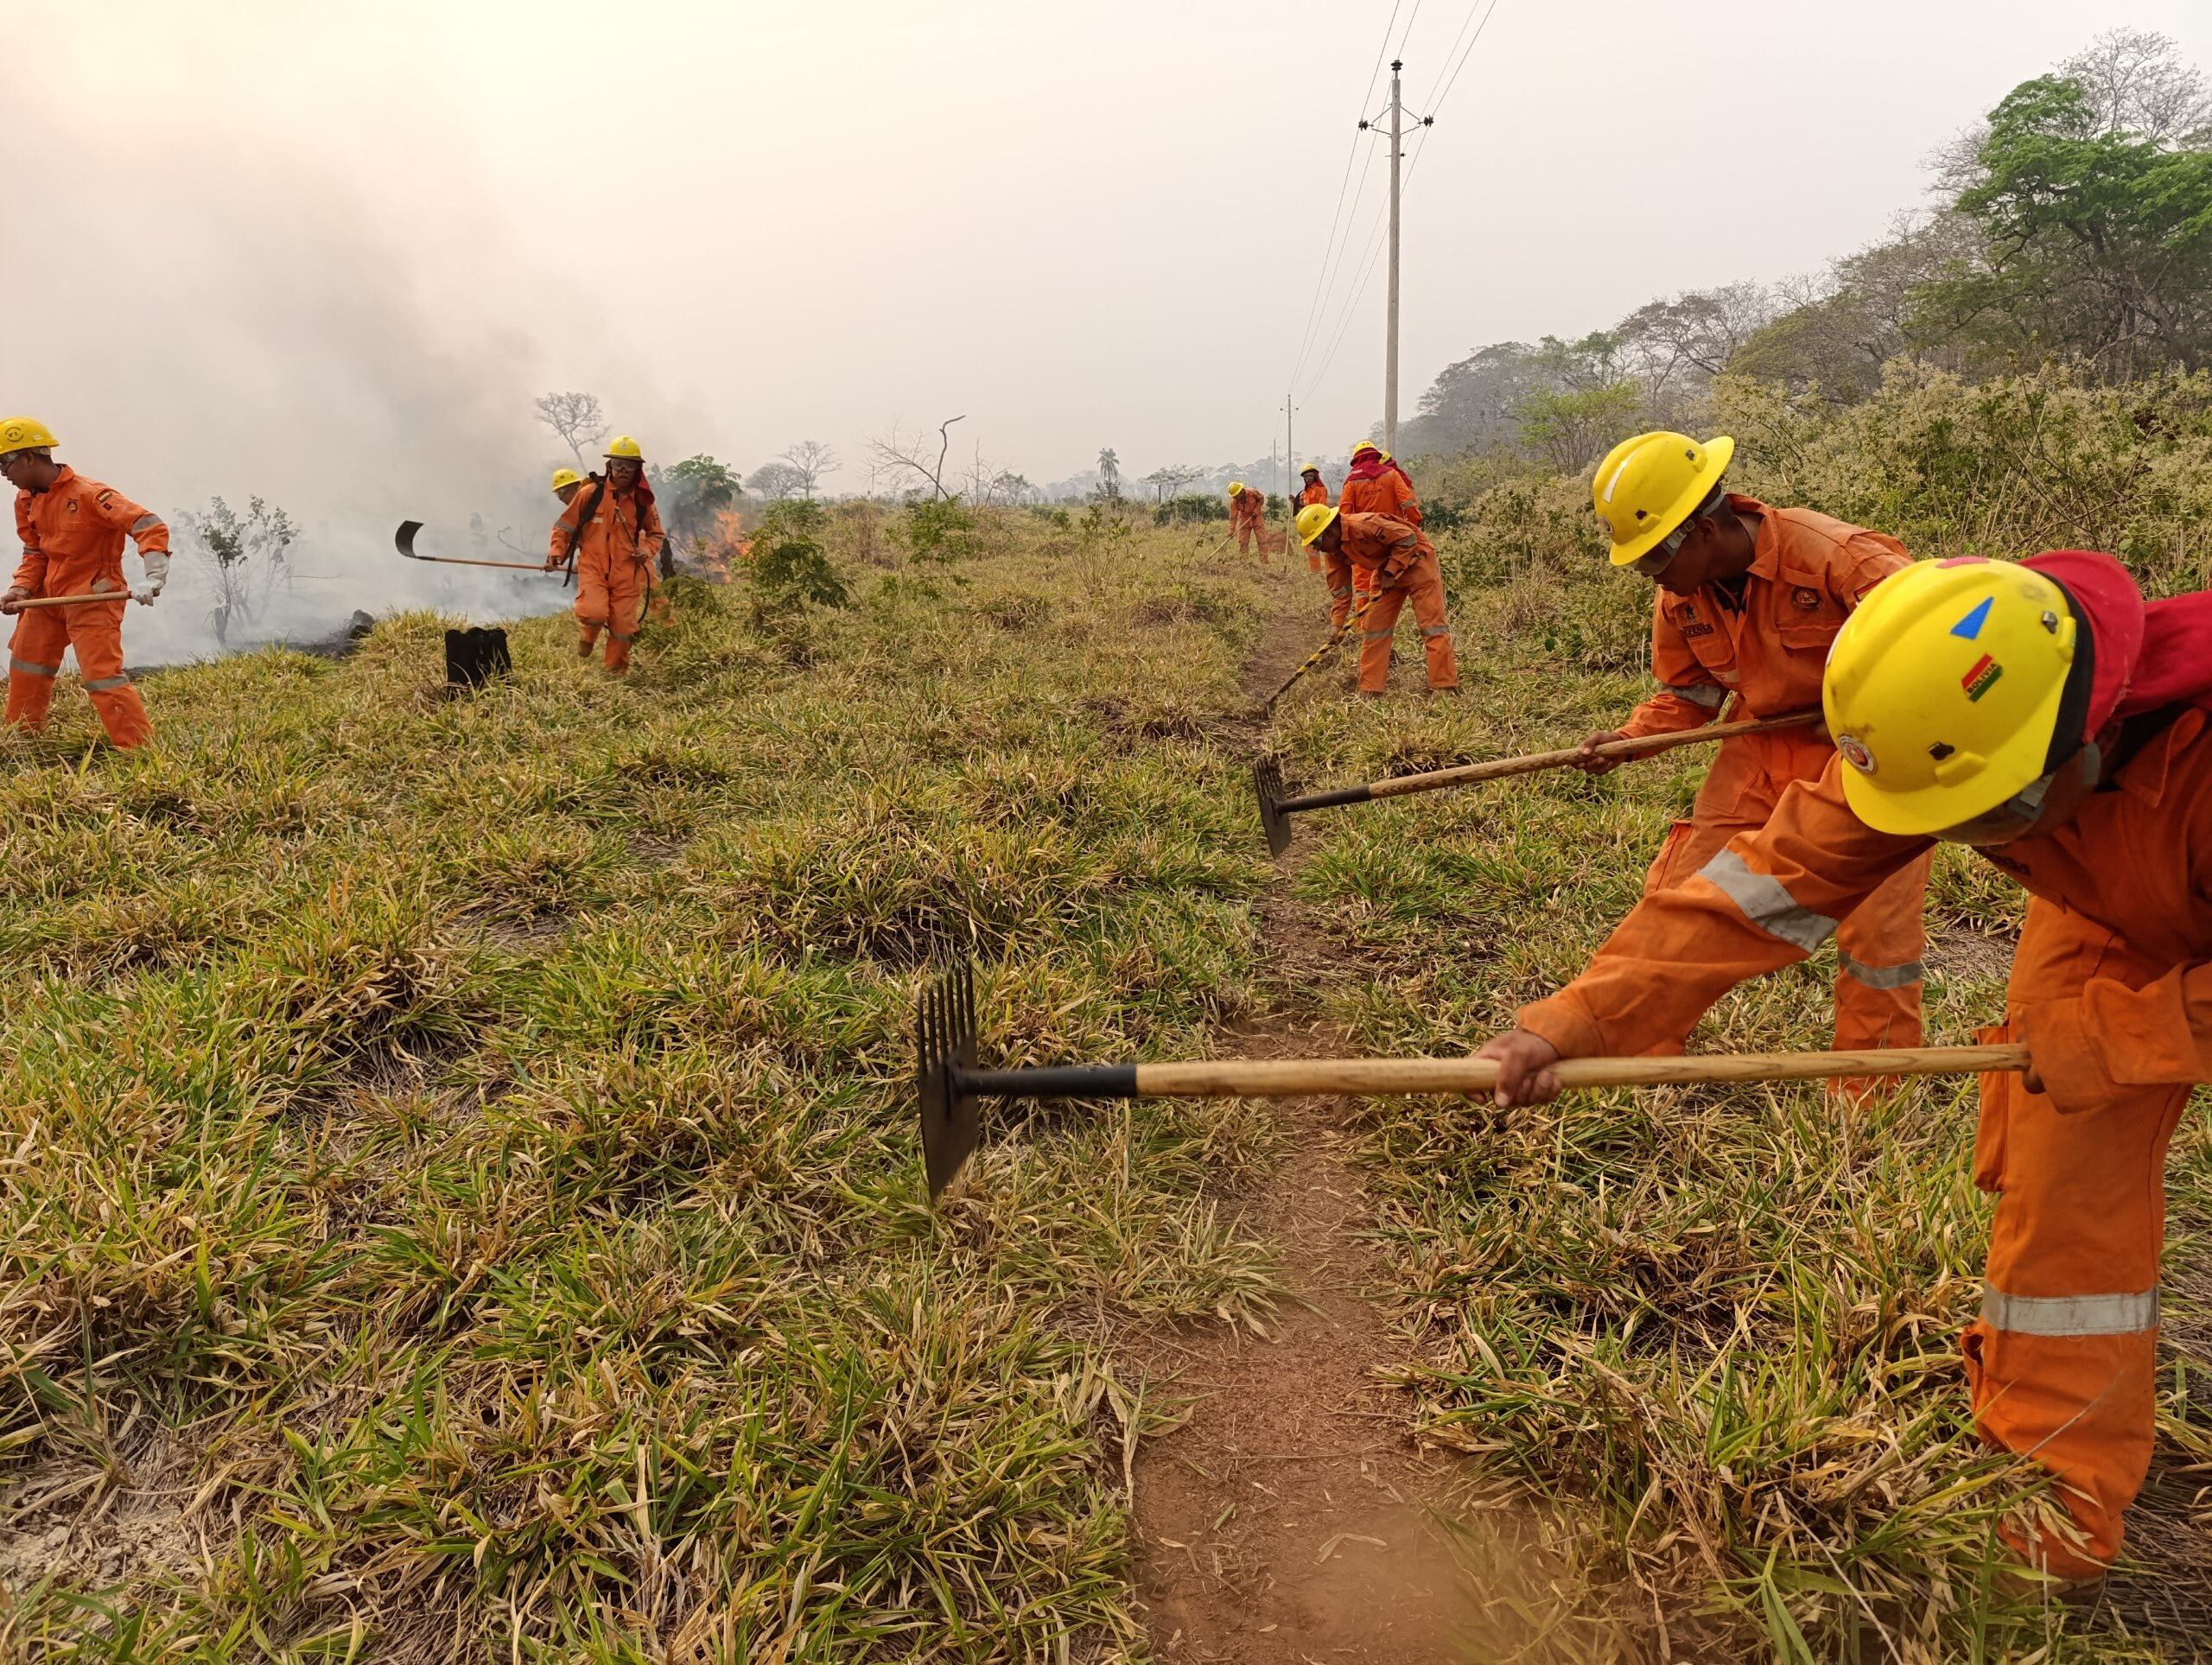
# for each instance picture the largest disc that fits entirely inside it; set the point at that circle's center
(611, 528)
(73, 530)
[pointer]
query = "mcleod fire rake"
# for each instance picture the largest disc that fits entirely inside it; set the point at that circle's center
(404, 539)
(952, 1088)
(1277, 808)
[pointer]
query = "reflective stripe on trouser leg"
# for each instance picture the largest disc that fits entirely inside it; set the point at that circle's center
(2064, 1357)
(1879, 970)
(1881, 976)
(25, 668)
(2070, 1315)
(97, 635)
(1380, 624)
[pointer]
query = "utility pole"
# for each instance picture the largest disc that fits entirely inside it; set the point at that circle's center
(1289, 497)
(1390, 349)
(1390, 339)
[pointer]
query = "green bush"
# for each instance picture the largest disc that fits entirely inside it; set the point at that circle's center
(791, 568)
(940, 529)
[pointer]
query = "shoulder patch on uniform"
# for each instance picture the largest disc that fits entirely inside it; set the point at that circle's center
(1807, 598)
(1970, 626)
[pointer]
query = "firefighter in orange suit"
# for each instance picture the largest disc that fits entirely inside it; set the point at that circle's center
(1248, 511)
(2044, 715)
(1311, 490)
(1394, 564)
(72, 530)
(1751, 598)
(611, 530)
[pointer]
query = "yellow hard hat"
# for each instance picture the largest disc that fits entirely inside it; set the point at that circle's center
(1312, 520)
(1943, 691)
(1365, 445)
(1649, 485)
(1235, 487)
(24, 433)
(566, 477)
(624, 446)
(1309, 468)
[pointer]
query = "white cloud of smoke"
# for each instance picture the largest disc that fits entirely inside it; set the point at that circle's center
(209, 297)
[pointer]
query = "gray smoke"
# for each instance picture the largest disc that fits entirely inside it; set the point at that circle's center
(335, 322)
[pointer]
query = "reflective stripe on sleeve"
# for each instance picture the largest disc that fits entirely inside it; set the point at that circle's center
(1704, 696)
(101, 684)
(1767, 902)
(1881, 976)
(145, 523)
(2070, 1315)
(31, 668)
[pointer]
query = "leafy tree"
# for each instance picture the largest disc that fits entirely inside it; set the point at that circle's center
(694, 493)
(1571, 430)
(2092, 192)
(777, 481)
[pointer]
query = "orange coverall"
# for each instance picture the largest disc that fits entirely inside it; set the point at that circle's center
(1394, 562)
(1376, 487)
(1372, 487)
(72, 536)
(1248, 514)
(1316, 492)
(615, 556)
(1767, 651)
(2112, 993)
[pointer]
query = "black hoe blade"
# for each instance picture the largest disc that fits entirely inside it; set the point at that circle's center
(405, 539)
(945, 1048)
(1267, 782)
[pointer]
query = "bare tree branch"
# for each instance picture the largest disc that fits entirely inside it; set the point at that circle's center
(575, 418)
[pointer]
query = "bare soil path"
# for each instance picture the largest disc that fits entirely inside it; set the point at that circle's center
(1291, 1517)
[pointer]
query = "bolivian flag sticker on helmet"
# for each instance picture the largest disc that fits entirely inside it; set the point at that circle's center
(1855, 753)
(1981, 677)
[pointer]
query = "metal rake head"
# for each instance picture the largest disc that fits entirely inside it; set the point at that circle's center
(1267, 782)
(403, 540)
(945, 1048)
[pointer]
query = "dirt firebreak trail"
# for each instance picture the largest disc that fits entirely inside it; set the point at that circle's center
(1291, 1515)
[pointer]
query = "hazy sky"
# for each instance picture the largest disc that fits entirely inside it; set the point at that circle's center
(330, 251)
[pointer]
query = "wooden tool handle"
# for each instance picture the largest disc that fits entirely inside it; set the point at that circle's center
(76, 600)
(458, 560)
(1290, 1077)
(1624, 750)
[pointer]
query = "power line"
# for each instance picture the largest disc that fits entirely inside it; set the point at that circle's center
(1448, 79)
(1464, 56)
(1330, 248)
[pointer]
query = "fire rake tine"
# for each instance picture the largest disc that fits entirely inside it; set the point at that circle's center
(1470, 774)
(950, 1086)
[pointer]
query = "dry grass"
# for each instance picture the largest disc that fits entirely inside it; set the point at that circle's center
(460, 1196)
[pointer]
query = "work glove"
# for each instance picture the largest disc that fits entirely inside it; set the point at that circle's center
(157, 574)
(16, 594)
